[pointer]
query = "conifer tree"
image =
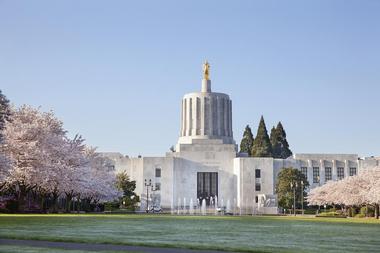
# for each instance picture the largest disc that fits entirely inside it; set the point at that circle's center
(247, 141)
(261, 145)
(275, 141)
(281, 148)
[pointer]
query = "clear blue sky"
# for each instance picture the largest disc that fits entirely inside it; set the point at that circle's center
(115, 71)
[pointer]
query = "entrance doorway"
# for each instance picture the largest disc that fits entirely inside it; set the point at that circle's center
(207, 186)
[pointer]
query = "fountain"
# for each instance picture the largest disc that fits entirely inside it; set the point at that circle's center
(178, 206)
(184, 206)
(228, 207)
(203, 208)
(172, 208)
(253, 208)
(216, 205)
(191, 208)
(235, 206)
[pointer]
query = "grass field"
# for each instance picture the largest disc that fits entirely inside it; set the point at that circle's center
(22, 249)
(249, 234)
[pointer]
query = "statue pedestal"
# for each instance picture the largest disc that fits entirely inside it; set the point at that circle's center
(206, 85)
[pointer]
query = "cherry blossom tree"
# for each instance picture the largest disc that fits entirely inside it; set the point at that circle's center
(27, 139)
(39, 157)
(362, 189)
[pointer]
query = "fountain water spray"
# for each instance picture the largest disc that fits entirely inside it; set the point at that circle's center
(184, 206)
(191, 208)
(203, 208)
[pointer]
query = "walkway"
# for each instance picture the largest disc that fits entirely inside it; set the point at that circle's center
(98, 247)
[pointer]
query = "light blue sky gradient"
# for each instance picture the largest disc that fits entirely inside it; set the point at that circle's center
(115, 71)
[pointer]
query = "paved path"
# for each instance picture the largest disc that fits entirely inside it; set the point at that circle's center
(98, 247)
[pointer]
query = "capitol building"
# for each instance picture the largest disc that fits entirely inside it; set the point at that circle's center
(206, 165)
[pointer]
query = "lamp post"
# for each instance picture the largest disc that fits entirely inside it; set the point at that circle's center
(303, 212)
(294, 186)
(319, 184)
(147, 185)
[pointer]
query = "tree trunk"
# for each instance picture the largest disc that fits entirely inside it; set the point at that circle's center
(377, 211)
(69, 198)
(55, 198)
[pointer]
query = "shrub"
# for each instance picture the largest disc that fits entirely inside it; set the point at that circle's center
(352, 212)
(360, 215)
(111, 206)
(12, 205)
(328, 214)
(369, 211)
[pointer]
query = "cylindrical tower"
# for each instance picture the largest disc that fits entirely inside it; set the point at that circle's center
(206, 114)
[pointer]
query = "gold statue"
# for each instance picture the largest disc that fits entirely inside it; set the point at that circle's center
(206, 71)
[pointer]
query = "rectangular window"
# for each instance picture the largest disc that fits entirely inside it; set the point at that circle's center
(328, 174)
(257, 199)
(258, 173)
(304, 171)
(315, 175)
(352, 171)
(258, 187)
(340, 173)
(157, 186)
(158, 172)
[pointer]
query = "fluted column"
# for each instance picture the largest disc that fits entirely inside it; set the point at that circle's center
(194, 116)
(183, 118)
(334, 171)
(321, 172)
(202, 110)
(225, 123)
(230, 118)
(346, 168)
(188, 116)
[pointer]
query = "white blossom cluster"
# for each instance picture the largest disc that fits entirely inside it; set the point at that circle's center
(38, 156)
(356, 190)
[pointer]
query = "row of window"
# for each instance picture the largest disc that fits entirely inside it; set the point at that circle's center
(328, 173)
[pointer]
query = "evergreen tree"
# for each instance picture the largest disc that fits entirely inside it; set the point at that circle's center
(4, 112)
(275, 140)
(288, 178)
(281, 146)
(124, 184)
(261, 145)
(247, 141)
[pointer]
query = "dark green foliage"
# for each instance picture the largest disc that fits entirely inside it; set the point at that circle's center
(12, 205)
(247, 141)
(5, 112)
(367, 211)
(280, 146)
(261, 145)
(285, 191)
(123, 183)
(111, 206)
(274, 140)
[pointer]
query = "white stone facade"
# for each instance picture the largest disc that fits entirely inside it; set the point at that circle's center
(206, 163)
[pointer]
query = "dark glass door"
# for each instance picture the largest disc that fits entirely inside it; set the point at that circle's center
(207, 186)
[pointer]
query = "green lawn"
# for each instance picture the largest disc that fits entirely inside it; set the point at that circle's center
(250, 234)
(22, 249)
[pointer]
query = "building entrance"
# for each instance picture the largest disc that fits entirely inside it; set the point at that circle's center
(207, 186)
